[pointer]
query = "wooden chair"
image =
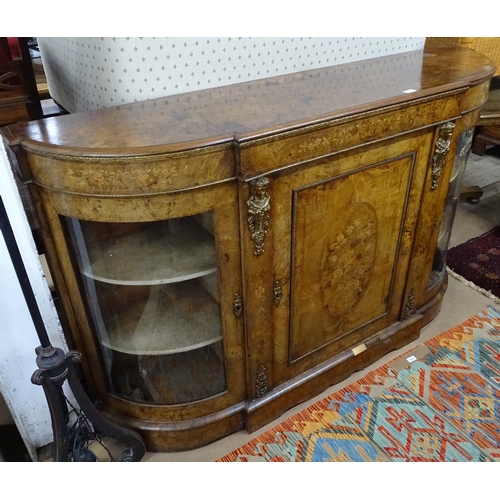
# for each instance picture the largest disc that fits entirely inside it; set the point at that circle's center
(488, 46)
(19, 99)
(489, 124)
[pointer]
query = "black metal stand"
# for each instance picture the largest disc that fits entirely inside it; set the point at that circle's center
(55, 367)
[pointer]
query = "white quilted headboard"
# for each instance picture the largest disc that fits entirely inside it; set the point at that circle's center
(92, 72)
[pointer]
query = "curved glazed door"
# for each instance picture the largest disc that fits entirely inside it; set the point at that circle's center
(157, 280)
(153, 292)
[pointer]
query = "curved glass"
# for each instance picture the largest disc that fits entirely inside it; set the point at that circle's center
(461, 156)
(153, 294)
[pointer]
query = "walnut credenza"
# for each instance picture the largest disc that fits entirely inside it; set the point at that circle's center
(222, 255)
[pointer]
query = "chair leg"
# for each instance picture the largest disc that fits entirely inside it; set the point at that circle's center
(479, 145)
(472, 194)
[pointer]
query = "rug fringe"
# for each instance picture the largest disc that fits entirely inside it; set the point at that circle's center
(470, 284)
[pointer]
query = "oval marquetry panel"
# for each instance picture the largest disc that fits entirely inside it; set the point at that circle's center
(347, 261)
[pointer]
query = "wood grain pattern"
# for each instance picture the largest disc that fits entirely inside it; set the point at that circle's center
(342, 134)
(142, 175)
(351, 225)
(183, 122)
(328, 201)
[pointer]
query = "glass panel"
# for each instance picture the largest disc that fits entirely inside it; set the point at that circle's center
(461, 157)
(153, 293)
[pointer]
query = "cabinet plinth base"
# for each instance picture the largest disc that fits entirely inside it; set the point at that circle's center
(431, 309)
(311, 383)
(184, 435)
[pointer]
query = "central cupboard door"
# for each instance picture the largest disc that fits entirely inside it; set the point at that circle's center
(343, 227)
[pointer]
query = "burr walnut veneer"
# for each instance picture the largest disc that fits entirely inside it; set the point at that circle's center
(223, 255)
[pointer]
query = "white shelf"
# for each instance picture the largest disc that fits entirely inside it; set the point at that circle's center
(162, 252)
(174, 318)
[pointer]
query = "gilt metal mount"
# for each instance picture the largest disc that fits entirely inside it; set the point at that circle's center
(277, 293)
(258, 212)
(237, 305)
(261, 381)
(410, 305)
(441, 152)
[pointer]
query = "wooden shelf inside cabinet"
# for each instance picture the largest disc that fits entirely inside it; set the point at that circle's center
(173, 318)
(162, 252)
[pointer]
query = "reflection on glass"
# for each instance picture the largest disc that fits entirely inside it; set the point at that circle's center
(461, 157)
(153, 293)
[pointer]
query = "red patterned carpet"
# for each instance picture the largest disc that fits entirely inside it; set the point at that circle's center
(437, 403)
(478, 261)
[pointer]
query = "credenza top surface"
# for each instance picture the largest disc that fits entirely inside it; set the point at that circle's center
(249, 110)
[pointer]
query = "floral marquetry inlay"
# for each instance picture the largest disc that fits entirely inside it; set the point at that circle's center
(105, 179)
(320, 145)
(133, 174)
(347, 261)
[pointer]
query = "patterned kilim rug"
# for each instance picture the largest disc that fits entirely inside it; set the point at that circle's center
(477, 263)
(437, 403)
